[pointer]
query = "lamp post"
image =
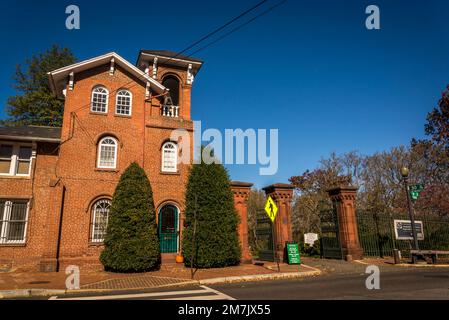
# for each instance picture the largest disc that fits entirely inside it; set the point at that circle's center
(405, 173)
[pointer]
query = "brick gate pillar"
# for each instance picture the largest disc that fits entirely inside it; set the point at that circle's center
(344, 201)
(282, 194)
(241, 192)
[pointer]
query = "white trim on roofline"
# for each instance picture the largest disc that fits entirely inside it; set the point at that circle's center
(84, 65)
(168, 58)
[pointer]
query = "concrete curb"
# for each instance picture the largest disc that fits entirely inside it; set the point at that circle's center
(29, 293)
(259, 277)
(421, 265)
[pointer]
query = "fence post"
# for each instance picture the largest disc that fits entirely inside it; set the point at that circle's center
(282, 194)
(344, 201)
(241, 191)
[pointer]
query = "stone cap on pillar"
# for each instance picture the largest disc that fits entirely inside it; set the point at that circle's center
(280, 190)
(241, 189)
(346, 192)
(278, 186)
(240, 184)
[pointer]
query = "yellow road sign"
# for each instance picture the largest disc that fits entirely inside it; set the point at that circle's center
(271, 209)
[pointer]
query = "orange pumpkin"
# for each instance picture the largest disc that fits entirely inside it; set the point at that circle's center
(179, 259)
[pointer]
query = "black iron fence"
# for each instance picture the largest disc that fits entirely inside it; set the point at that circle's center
(377, 236)
(330, 235)
(264, 240)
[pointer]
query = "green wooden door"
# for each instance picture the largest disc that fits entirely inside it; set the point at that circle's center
(168, 229)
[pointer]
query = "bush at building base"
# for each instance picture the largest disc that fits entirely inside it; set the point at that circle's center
(215, 243)
(131, 241)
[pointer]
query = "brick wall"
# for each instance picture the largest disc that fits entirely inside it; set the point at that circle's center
(37, 189)
(74, 176)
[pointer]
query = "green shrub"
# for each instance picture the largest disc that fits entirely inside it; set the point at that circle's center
(216, 242)
(131, 242)
(310, 251)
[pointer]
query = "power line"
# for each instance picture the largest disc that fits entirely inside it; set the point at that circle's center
(222, 27)
(240, 27)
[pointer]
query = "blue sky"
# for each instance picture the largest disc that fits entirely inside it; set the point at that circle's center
(309, 68)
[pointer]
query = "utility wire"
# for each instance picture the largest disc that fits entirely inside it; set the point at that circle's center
(240, 27)
(222, 27)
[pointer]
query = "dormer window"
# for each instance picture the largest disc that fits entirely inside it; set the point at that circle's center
(123, 103)
(99, 100)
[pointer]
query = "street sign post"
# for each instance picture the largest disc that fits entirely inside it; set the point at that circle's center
(415, 190)
(271, 209)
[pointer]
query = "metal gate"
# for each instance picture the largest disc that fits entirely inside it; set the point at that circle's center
(264, 234)
(330, 239)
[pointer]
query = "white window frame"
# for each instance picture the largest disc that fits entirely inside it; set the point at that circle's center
(120, 93)
(5, 216)
(94, 217)
(100, 144)
(164, 147)
(15, 158)
(92, 99)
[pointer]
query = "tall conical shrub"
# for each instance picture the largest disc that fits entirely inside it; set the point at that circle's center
(216, 241)
(131, 241)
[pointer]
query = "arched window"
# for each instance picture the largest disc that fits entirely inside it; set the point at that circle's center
(172, 83)
(169, 157)
(107, 153)
(99, 100)
(123, 103)
(100, 216)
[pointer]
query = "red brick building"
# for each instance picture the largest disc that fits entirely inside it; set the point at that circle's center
(56, 184)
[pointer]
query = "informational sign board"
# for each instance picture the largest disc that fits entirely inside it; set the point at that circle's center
(310, 238)
(403, 230)
(271, 209)
(294, 257)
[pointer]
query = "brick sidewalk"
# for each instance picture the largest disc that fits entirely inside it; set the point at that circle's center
(169, 274)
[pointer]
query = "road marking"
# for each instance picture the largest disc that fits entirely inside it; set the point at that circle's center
(361, 262)
(197, 298)
(190, 295)
(218, 293)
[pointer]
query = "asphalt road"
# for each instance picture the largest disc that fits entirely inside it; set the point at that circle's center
(408, 284)
(404, 284)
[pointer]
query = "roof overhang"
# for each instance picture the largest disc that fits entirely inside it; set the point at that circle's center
(60, 77)
(148, 58)
(29, 139)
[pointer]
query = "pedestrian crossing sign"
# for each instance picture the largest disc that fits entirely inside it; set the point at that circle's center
(271, 209)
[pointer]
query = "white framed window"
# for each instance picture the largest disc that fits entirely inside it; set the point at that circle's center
(100, 217)
(107, 153)
(13, 221)
(123, 104)
(169, 157)
(15, 159)
(100, 97)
